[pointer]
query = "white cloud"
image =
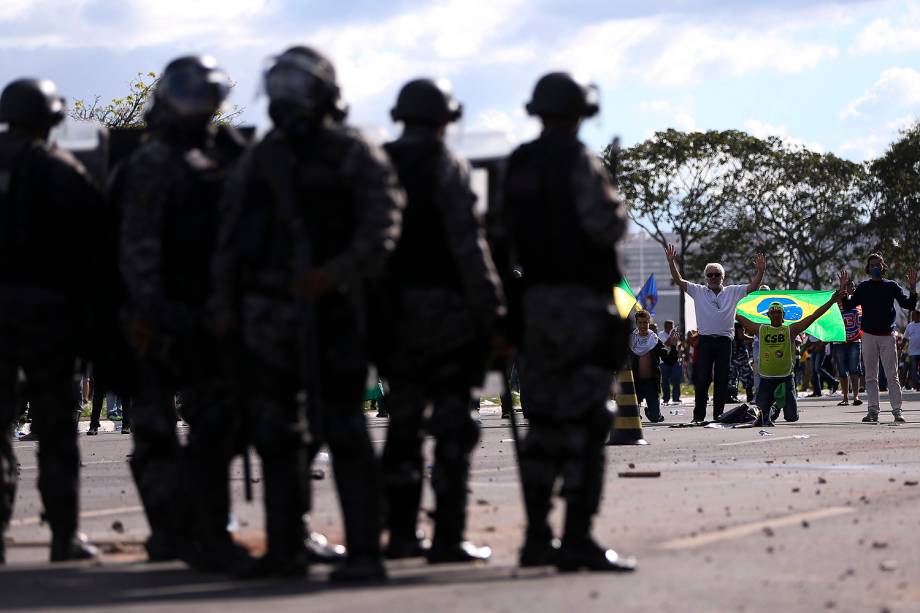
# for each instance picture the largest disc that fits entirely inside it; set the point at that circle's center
(11, 9)
(883, 34)
(680, 111)
(685, 122)
(762, 129)
(896, 87)
(694, 53)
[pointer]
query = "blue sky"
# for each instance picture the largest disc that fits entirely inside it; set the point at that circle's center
(836, 76)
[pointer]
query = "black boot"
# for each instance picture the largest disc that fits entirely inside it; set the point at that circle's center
(359, 569)
(588, 555)
(540, 548)
(463, 551)
(321, 551)
(68, 547)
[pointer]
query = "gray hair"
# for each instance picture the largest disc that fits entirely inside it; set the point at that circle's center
(715, 265)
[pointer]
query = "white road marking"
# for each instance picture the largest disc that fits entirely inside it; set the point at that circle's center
(34, 521)
(765, 439)
(124, 461)
(734, 532)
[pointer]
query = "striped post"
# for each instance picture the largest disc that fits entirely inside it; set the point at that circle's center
(627, 425)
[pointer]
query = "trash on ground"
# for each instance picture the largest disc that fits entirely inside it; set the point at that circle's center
(801, 436)
(910, 482)
(765, 433)
(888, 565)
(640, 474)
(118, 527)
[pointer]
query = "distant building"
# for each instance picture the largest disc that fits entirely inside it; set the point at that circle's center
(641, 256)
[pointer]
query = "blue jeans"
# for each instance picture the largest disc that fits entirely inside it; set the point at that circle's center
(671, 377)
(768, 388)
(848, 358)
(647, 389)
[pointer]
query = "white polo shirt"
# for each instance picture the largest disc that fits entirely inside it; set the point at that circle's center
(715, 313)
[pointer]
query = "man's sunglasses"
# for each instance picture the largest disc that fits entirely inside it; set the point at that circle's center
(713, 274)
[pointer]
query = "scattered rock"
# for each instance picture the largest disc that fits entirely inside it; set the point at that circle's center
(888, 565)
(879, 545)
(482, 502)
(805, 523)
(796, 490)
(770, 549)
(841, 453)
(822, 480)
(631, 465)
(118, 527)
(830, 604)
(910, 482)
(489, 529)
(593, 595)
(768, 531)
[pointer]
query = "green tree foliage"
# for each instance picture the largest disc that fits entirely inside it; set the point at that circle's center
(895, 190)
(128, 111)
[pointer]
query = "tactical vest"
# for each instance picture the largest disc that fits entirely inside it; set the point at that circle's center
(422, 258)
(190, 222)
(777, 354)
(551, 245)
(41, 227)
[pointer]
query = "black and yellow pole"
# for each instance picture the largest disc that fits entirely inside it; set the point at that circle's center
(627, 425)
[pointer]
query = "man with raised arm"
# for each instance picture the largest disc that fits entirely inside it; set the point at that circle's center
(877, 296)
(777, 356)
(715, 312)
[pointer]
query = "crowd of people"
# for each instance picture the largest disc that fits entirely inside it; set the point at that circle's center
(238, 277)
(728, 354)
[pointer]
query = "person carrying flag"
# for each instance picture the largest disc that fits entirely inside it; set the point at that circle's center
(777, 356)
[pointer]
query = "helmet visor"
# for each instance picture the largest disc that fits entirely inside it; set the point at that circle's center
(295, 82)
(193, 92)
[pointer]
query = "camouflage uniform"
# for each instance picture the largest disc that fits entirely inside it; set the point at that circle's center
(169, 192)
(740, 371)
(563, 220)
(443, 296)
(347, 200)
(49, 209)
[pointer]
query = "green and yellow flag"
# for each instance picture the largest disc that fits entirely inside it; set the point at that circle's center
(624, 298)
(797, 304)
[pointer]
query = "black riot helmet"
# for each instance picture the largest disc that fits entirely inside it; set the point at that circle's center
(189, 92)
(427, 102)
(302, 89)
(31, 103)
(559, 94)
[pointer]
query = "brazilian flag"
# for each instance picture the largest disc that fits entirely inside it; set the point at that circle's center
(797, 304)
(624, 298)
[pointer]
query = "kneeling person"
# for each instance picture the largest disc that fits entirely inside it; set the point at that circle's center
(646, 350)
(777, 356)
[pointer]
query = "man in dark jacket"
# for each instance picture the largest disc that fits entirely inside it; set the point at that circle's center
(443, 296)
(877, 296)
(563, 220)
(46, 198)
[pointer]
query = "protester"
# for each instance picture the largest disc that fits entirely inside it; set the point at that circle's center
(912, 334)
(715, 305)
(740, 371)
(646, 351)
(848, 354)
(877, 297)
(670, 364)
(777, 357)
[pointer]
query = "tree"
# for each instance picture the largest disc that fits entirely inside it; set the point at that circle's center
(806, 210)
(895, 188)
(128, 111)
(684, 184)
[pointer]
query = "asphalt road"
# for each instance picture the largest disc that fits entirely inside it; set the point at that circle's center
(819, 515)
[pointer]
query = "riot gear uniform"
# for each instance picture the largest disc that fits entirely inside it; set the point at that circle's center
(441, 298)
(314, 207)
(563, 220)
(168, 193)
(46, 198)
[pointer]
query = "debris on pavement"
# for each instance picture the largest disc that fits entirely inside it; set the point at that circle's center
(910, 482)
(889, 565)
(640, 474)
(118, 527)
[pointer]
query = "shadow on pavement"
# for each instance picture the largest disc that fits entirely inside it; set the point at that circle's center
(112, 585)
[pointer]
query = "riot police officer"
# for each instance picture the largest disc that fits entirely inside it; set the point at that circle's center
(168, 193)
(313, 211)
(442, 296)
(46, 198)
(563, 220)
